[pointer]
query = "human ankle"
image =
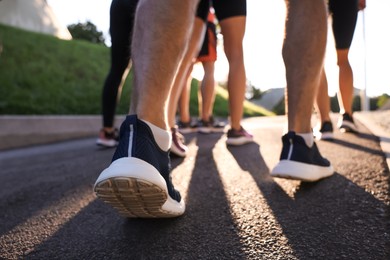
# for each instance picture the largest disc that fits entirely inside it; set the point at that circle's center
(108, 130)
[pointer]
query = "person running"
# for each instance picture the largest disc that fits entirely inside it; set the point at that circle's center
(138, 181)
(344, 16)
(121, 27)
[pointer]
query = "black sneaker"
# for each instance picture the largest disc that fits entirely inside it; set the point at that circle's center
(299, 162)
(217, 126)
(138, 182)
(204, 127)
(346, 124)
(186, 127)
(325, 132)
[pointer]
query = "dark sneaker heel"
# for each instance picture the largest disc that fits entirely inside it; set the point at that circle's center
(138, 181)
(136, 189)
(204, 127)
(346, 124)
(325, 132)
(186, 127)
(300, 162)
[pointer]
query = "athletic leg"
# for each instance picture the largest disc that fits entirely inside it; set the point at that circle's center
(303, 54)
(207, 89)
(138, 181)
(233, 30)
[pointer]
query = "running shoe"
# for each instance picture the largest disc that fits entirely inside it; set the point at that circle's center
(346, 124)
(238, 137)
(217, 126)
(211, 126)
(300, 162)
(186, 127)
(204, 127)
(325, 132)
(107, 139)
(178, 147)
(138, 181)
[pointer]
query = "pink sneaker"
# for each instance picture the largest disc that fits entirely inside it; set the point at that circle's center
(178, 147)
(108, 139)
(238, 137)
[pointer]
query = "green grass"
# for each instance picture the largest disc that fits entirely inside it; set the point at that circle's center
(40, 75)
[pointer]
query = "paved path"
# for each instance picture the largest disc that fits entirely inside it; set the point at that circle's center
(235, 210)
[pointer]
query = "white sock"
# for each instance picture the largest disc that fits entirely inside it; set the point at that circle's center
(308, 137)
(162, 137)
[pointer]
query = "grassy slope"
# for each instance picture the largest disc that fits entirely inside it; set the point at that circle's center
(40, 74)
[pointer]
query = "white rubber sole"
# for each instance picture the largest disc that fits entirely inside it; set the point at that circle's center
(204, 130)
(323, 136)
(187, 130)
(106, 143)
(210, 130)
(301, 171)
(346, 126)
(137, 190)
(238, 141)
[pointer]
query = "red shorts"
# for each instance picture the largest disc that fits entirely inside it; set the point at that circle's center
(208, 52)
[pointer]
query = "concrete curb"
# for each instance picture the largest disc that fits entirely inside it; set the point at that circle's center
(369, 120)
(21, 131)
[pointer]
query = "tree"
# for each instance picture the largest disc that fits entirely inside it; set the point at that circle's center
(86, 31)
(382, 100)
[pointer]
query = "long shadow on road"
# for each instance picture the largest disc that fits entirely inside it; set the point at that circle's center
(38, 178)
(49, 210)
(330, 219)
(206, 231)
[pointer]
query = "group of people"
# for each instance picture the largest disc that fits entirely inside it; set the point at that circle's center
(232, 19)
(162, 51)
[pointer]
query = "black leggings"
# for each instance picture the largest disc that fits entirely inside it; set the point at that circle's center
(121, 29)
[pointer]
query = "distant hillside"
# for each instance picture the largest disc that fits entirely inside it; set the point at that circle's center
(270, 98)
(40, 74)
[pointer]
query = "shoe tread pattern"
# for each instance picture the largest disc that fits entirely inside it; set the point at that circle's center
(132, 197)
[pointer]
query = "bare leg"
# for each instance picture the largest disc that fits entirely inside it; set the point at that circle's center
(303, 54)
(153, 45)
(233, 30)
(183, 71)
(324, 128)
(184, 100)
(323, 103)
(207, 90)
(142, 156)
(345, 96)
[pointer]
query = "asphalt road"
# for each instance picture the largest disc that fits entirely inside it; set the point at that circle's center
(235, 210)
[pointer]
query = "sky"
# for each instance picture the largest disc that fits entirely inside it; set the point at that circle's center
(369, 53)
